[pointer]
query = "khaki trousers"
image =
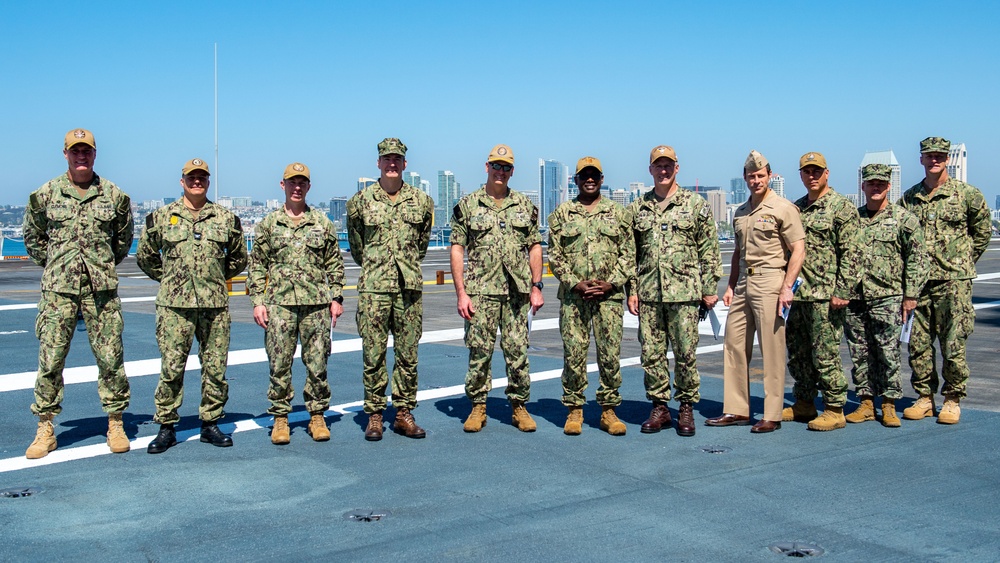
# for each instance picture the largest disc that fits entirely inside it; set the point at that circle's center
(754, 311)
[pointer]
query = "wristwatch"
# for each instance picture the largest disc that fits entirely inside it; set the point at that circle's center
(539, 285)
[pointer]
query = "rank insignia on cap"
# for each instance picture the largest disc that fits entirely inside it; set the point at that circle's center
(298, 168)
(197, 162)
(79, 133)
(502, 151)
(173, 219)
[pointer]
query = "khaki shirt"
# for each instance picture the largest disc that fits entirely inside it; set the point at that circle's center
(590, 245)
(295, 264)
(497, 239)
(192, 258)
(957, 227)
(76, 238)
(676, 247)
(830, 224)
(765, 234)
(389, 238)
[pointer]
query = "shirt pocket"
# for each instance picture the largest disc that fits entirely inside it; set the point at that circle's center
(60, 222)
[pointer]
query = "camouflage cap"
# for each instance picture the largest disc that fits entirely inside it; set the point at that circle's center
(501, 153)
(195, 164)
(812, 159)
(754, 162)
(935, 144)
(391, 145)
(588, 161)
(78, 136)
(876, 172)
(662, 151)
(296, 169)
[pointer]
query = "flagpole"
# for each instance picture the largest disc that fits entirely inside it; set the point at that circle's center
(216, 64)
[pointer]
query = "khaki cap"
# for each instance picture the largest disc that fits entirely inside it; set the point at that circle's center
(78, 136)
(876, 172)
(935, 144)
(195, 164)
(391, 145)
(501, 153)
(661, 151)
(588, 162)
(754, 162)
(812, 159)
(296, 169)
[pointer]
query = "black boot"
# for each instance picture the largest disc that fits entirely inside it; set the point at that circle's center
(210, 434)
(165, 438)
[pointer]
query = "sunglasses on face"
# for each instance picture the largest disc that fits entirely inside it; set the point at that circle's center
(504, 167)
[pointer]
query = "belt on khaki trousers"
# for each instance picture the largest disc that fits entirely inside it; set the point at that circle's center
(763, 269)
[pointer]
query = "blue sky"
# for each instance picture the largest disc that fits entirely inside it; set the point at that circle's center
(323, 82)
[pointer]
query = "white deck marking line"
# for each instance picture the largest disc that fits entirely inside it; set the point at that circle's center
(140, 368)
(63, 455)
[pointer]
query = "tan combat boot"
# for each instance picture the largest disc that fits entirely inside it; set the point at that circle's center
(923, 408)
(831, 419)
(280, 434)
(521, 419)
(889, 418)
(801, 411)
(864, 412)
(117, 440)
(317, 428)
(574, 421)
(45, 438)
(477, 418)
(610, 422)
(950, 411)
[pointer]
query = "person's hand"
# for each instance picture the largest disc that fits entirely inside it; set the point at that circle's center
(336, 309)
(727, 297)
(465, 308)
(260, 315)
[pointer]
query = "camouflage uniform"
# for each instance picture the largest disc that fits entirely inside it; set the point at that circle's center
(78, 240)
(192, 259)
(957, 230)
(389, 240)
(296, 271)
(677, 263)
(814, 328)
(590, 245)
(498, 281)
(890, 261)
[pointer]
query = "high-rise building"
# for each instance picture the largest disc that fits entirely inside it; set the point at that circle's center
(412, 178)
(854, 198)
(425, 187)
(621, 197)
(365, 182)
(777, 183)
(717, 203)
(552, 187)
(449, 192)
(738, 187)
(997, 206)
(883, 157)
(338, 211)
(958, 162)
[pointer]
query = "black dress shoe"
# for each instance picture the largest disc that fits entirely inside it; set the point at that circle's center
(764, 426)
(165, 438)
(728, 420)
(210, 434)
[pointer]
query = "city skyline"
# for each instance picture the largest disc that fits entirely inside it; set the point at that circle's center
(328, 97)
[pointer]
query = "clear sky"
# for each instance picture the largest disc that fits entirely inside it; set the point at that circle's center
(323, 82)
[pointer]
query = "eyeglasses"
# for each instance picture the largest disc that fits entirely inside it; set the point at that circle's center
(504, 167)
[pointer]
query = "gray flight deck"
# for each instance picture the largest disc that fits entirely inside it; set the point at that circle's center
(921, 492)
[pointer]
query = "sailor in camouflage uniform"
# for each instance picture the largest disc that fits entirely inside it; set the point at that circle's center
(816, 320)
(890, 260)
(295, 280)
(192, 246)
(678, 269)
(389, 229)
(591, 254)
(957, 230)
(77, 227)
(499, 228)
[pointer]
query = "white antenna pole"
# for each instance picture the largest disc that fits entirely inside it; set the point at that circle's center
(216, 122)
